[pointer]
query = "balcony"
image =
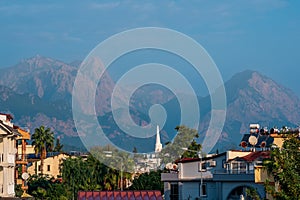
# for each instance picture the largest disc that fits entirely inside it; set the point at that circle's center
(233, 175)
(21, 159)
(11, 158)
(7, 159)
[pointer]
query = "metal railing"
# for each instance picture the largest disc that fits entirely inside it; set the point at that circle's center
(233, 171)
(19, 157)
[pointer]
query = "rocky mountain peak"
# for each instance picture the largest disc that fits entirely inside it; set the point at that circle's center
(255, 98)
(41, 76)
(41, 86)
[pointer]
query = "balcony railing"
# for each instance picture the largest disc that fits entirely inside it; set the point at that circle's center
(233, 175)
(21, 157)
(233, 171)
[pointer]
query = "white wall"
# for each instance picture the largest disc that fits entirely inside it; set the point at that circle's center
(191, 170)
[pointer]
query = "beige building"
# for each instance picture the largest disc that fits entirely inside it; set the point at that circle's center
(51, 164)
(8, 152)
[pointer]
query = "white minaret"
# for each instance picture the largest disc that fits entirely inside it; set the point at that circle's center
(158, 145)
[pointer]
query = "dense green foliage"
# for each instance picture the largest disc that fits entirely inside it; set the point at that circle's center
(185, 138)
(80, 174)
(91, 173)
(193, 150)
(77, 174)
(58, 146)
(284, 166)
(252, 193)
(148, 181)
(43, 187)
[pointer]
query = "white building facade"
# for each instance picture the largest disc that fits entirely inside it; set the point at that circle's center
(7, 156)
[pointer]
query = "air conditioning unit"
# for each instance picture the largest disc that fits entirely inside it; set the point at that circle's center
(212, 163)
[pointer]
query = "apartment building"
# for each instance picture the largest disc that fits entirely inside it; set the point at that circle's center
(8, 152)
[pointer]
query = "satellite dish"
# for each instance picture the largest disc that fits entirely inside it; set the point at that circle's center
(25, 176)
(252, 140)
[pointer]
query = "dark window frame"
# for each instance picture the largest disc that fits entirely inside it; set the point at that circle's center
(174, 191)
(203, 190)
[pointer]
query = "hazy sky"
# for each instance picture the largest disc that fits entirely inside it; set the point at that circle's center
(261, 35)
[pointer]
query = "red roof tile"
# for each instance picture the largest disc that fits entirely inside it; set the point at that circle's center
(114, 195)
(258, 155)
(185, 160)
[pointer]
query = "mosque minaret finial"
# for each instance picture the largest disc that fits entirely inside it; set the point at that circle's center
(158, 145)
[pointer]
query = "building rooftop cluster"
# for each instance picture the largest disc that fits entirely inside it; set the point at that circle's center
(226, 175)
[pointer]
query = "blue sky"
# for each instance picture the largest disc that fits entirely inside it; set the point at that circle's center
(259, 35)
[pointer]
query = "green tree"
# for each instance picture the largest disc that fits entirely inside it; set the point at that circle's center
(252, 193)
(58, 146)
(284, 166)
(112, 157)
(18, 190)
(90, 174)
(192, 151)
(43, 139)
(73, 172)
(44, 187)
(185, 138)
(148, 181)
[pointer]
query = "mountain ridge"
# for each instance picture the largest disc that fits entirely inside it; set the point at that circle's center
(45, 86)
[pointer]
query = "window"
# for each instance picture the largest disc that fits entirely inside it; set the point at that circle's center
(202, 166)
(242, 167)
(174, 192)
(48, 168)
(239, 167)
(251, 167)
(235, 167)
(39, 168)
(203, 190)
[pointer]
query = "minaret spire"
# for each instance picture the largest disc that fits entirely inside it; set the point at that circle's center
(158, 145)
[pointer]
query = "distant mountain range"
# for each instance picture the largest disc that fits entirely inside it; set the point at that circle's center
(38, 91)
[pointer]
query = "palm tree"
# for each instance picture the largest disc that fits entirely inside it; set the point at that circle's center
(43, 140)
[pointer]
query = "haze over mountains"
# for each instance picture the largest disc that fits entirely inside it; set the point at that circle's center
(38, 91)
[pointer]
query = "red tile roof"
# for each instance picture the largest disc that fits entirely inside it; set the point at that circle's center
(122, 195)
(258, 155)
(185, 160)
